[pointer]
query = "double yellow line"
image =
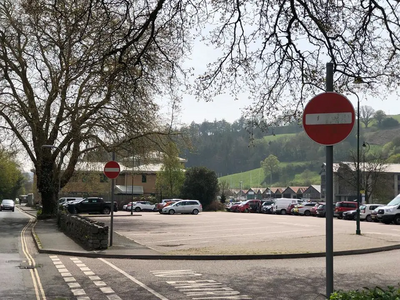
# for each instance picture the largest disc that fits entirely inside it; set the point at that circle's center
(39, 292)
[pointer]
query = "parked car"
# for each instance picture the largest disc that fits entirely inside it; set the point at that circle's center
(125, 206)
(7, 204)
(230, 204)
(234, 207)
(374, 215)
(252, 205)
(390, 212)
(350, 215)
(313, 210)
(366, 211)
(321, 210)
(267, 208)
(159, 206)
(65, 200)
(141, 206)
(343, 206)
(281, 205)
(304, 209)
(290, 209)
(183, 207)
(91, 205)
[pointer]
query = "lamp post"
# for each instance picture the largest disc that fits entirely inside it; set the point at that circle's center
(358, 230)
(59, 175)
(366, 148)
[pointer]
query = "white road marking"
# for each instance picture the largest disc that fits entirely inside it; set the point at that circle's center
(133, 279)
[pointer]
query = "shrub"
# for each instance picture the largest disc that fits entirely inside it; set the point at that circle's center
(377, 293)
(214, 206)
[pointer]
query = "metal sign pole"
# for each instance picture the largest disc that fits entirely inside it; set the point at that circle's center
(112, 206)
(329, 198)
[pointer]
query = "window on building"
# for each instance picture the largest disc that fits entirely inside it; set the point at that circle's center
(144, 178)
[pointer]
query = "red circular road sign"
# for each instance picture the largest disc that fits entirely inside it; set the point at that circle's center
(328, 118)
(112, 169)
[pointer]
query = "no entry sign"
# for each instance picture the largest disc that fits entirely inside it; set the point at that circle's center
(328, 118)
(111, 169)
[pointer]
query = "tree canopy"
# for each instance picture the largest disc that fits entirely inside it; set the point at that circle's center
(200, 184)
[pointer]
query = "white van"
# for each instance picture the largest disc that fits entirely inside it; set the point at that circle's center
(281, 205)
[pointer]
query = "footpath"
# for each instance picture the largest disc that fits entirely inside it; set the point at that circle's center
(49, 239)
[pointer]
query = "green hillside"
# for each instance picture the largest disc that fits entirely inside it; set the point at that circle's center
(254, 178)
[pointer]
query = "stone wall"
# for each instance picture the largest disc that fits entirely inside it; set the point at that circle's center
(91, 235)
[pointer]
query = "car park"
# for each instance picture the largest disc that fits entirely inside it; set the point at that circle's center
(7, 204)
(366, 211)
(343, 206)
(183, 207)
(391, 212)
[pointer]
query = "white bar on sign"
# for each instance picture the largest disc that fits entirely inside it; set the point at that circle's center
(111, 169)
(329, 118)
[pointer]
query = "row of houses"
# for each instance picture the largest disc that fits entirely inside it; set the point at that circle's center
(312, 192)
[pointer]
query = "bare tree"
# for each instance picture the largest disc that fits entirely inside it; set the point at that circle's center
(82, 75)
(278, 50)
(366, 115)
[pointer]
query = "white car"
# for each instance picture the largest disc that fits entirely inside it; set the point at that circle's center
(183, 207)
(366, 211)
(142, 206)
(127, 206)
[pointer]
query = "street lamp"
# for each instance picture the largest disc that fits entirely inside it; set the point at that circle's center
(358, 230)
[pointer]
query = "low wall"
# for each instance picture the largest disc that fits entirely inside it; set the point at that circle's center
(91, 235)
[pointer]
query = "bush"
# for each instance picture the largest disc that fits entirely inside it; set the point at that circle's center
(214, 206)
(390, 293)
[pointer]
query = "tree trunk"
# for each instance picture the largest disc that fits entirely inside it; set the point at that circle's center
(48, 186)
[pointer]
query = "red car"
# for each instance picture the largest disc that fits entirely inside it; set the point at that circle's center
(343, 206)
(252, 205)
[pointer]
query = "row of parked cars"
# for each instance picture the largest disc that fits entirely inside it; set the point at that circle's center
(167, 206)
(389, 213)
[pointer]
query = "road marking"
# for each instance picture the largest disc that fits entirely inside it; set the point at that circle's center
(74, 286)
(96, 279)
(133, 279)
(175, 273)
(37, 284)
(206, 289)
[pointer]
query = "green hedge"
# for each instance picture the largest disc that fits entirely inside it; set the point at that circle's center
(389, 293)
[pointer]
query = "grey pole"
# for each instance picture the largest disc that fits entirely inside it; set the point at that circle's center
(358, 230)
(329, 198)
(112, 206)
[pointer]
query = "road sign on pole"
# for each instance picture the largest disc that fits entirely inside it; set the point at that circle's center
(112, 169)
(328, 118)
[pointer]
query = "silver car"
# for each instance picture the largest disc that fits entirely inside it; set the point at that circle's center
(7, 204)
(183, 207)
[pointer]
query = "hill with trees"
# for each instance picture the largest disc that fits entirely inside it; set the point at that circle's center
(238, 148)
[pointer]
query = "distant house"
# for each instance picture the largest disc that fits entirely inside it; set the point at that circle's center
(313, 192)
(294, 192)
(343, 190)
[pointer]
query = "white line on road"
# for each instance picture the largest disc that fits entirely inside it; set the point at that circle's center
(133, 279)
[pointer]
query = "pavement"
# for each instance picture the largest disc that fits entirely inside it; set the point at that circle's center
(50, 240)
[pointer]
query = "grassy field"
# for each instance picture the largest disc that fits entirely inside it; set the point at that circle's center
(253, 178)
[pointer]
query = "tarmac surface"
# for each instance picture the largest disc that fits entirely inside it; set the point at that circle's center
(49, 239)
